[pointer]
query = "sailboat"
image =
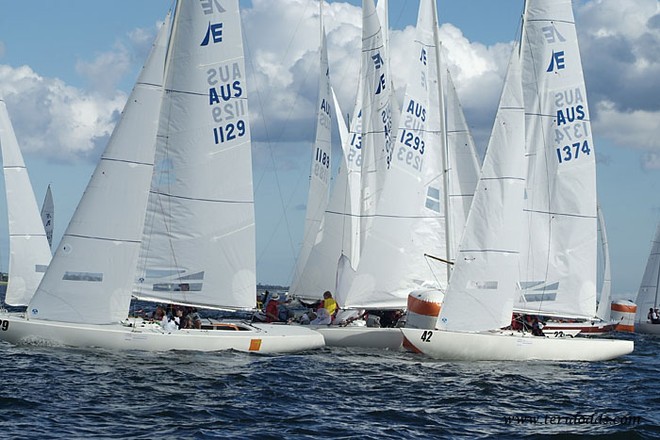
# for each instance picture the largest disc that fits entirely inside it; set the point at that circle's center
(410, 218)
(48, 216)
(29, 251)
(480, 298)
(648, 295)
(188, 115)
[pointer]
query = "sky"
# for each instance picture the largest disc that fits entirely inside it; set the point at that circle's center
(67, 66)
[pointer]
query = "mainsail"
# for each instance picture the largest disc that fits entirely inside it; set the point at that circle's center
(199, 234)
(559, 259)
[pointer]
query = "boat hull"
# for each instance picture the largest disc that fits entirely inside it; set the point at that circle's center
(510, 346)
(257, 338)
(591, 328)
(361, 337)
(648, 328)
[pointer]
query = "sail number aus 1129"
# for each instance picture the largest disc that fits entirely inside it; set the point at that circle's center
(229, 132)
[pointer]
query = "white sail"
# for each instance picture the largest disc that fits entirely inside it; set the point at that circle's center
(199, 234)
(604, 308)
(48, 216)
(648, 295)
(376, 117)
(558, 264)
(464, 166)
(409, 218)
(319, 181)
(29, 253)
(90, 277)
(364, 171)
(483, 283)
(334, 238)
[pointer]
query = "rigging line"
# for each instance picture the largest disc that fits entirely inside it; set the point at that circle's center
(433, 274)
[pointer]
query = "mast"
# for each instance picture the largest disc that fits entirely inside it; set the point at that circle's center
(443, 137)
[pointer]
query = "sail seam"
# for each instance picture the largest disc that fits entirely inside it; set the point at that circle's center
(247, 202)
(103, 238)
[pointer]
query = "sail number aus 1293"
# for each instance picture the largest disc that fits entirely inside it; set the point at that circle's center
(573, 151)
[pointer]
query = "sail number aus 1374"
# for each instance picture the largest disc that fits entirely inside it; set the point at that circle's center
(573, 151)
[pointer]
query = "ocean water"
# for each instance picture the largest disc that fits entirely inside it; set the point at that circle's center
(338, 393)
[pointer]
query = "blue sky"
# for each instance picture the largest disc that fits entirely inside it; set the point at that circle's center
(66, 67)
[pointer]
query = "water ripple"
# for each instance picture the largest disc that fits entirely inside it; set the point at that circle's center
(333, 393)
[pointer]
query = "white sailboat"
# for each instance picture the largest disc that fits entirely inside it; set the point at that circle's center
(188, 110)
(410, 217)
(48, 216)
(480, 298)
(648, 295)
(29, 252)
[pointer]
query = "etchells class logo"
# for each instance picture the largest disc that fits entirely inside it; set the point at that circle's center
(214, 30)
(557, 60)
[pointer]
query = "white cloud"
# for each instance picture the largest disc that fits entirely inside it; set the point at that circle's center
(56, 120)
(620, 42)
(638, 129)
(105, 71)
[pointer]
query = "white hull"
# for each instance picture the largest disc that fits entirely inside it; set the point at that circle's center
(645, 327)
(258, 338)
(362, 337)
(509, 346)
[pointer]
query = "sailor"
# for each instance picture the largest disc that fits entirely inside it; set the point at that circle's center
(272, 308)
(329, 304)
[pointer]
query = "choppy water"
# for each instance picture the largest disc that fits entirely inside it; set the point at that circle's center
(328, 393)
